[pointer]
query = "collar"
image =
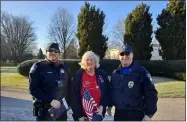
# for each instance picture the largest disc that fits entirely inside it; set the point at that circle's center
(58, 63)
(120, 66)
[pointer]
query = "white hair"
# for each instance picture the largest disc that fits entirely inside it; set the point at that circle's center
(87, 54)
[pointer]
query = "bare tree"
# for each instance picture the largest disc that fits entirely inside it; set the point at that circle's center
(72, 50)
(114, 44)
(5, 53)
(118, 34)
(18, 33)
(61, 29)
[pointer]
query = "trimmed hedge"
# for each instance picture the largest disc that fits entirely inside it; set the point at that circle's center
(169, 68)
(177, 75)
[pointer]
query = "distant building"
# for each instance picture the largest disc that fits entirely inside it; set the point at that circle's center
(114, 54)
(155, 53)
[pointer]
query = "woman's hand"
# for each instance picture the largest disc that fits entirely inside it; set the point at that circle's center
(99, 110)
(81, 119)
(109, 111)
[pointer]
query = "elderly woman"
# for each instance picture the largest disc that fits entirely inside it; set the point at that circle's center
(89, 90)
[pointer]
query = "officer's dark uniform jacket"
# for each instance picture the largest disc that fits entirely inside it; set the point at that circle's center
(76, 98)
(134, 90)
(48, 82)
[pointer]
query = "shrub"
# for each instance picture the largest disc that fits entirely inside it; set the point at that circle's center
(170, 68)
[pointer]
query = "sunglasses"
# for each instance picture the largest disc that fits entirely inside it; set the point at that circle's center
(124, 53)
(53, 50)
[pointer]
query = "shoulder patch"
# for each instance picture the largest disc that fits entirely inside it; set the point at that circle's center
(150, 78)
(148, 75)
(101, 79)
(33, 68)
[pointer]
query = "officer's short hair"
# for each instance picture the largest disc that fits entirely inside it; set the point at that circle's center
(86, 54)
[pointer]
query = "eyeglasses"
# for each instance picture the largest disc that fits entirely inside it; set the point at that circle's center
(124, 53)
(53, 50)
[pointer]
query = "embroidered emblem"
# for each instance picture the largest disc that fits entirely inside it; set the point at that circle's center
(33, 68)
(130, 84)
(149, 76)
(101, 79)
(87, 82)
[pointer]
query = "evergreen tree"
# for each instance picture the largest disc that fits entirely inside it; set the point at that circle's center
(171, 33)
(40, 54)
(89, 32)
(138, 32)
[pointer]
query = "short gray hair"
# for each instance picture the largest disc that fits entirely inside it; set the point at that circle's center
(86, 54)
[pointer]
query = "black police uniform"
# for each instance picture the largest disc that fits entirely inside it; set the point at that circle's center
(48, 81)
(133, 94)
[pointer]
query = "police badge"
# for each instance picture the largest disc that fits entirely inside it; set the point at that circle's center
(130, 84)
(62, 70)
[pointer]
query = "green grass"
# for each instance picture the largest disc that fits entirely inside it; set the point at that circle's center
(171, 89)
(14, 80)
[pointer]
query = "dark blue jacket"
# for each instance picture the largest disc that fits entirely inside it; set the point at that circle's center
(76, 103)
(134, 90)
(48, 81)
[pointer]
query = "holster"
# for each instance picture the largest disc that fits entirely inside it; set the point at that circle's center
(37, 108)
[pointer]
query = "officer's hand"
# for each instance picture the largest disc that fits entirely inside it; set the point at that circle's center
(82, 119)
(55, 103)
(146, 118)
(109, 111)
(99, 110)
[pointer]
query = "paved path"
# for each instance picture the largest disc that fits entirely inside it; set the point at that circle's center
(13, 70)
(17, 105)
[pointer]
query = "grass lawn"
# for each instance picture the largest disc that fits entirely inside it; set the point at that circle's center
(169, 89)
(14, 80)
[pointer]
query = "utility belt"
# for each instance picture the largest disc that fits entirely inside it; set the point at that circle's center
(38, 106)
(130, 109)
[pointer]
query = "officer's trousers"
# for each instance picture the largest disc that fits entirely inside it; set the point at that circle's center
(45, 116)
(128, 115)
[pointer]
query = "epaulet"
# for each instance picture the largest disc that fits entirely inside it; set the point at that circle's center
(143, 68)
(41, 62)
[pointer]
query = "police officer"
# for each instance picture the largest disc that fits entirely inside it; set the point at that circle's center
(133, 92)
(49, 83)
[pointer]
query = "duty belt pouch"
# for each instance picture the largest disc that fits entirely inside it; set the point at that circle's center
(59, 84)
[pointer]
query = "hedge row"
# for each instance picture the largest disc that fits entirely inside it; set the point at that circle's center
(169, 68)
